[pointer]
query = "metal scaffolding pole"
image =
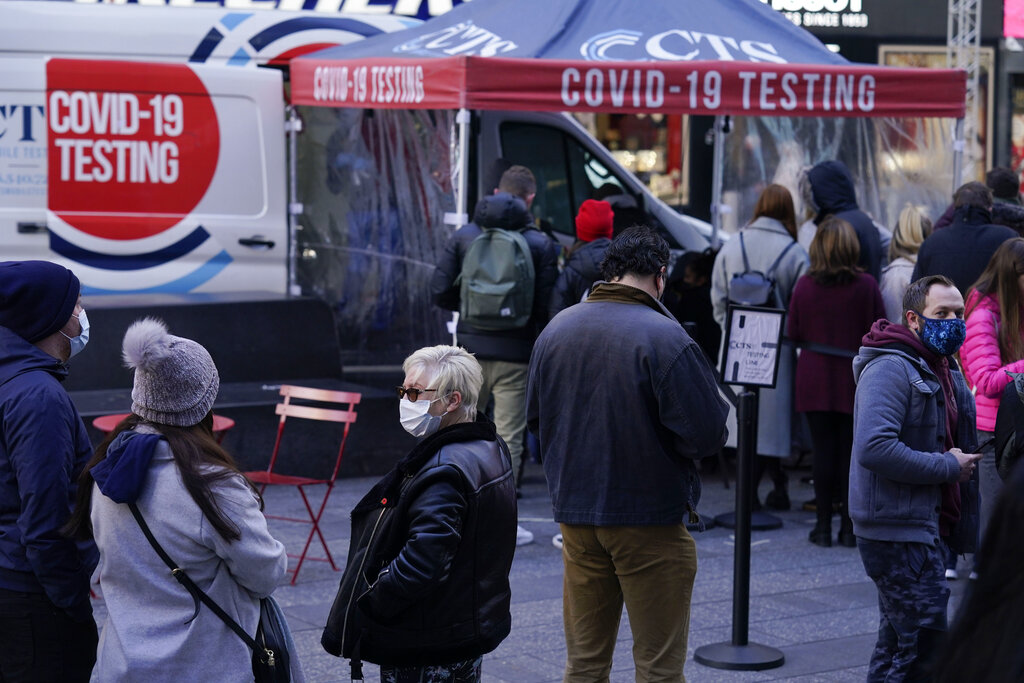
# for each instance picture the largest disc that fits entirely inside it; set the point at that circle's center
(963, 51)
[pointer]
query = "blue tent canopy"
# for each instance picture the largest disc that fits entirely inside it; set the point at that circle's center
(603, 30)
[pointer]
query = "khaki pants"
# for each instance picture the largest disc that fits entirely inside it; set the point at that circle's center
(507, 383)
(649, 568)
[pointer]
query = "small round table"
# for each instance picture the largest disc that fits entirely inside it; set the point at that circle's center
(107, 423)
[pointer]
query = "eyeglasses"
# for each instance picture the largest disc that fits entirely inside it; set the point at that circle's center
(413, 394)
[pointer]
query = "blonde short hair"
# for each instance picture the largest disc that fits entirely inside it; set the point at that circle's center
(453, 369)
(911, 230)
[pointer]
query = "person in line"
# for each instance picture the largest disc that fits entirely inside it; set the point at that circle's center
(624, 403)
(984, 640)
(833, 307)
(994, 346)
(833, 194)
(1006, 204)
(688, 298)
(583, 262)
(912, 477)
(767, 239)
(46, 622)
(503, 354)
(425, 592)
(912, 228)
(962, 250)
(200, 508)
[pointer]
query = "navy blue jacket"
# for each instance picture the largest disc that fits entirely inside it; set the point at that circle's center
(962, 250)
(43, 448)
(582, 269)
(504, 211)
(834, 194)
(623, 402)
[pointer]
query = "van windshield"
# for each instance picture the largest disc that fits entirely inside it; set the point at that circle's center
(567, 173)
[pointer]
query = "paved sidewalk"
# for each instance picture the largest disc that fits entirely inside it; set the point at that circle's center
(815, 604)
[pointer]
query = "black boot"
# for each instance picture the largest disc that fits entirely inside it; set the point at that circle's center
(846, 537)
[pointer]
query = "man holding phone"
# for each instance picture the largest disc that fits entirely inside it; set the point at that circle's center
(913, 483)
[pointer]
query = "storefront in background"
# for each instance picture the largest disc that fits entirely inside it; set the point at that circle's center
(670, 152)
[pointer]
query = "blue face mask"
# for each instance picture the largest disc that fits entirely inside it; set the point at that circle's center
(78, 343)
(943, 336)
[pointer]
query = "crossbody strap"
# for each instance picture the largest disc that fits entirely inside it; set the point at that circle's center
(185, 580)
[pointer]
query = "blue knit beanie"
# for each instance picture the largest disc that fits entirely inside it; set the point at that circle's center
(37, 298)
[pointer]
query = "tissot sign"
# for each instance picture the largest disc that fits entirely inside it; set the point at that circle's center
(822, 13)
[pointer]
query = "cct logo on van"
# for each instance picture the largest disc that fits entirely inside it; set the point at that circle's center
(140, 144)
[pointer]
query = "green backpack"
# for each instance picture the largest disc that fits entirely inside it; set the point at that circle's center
(497, 281)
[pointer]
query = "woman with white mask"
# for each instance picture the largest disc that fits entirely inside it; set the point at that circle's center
(426, 582)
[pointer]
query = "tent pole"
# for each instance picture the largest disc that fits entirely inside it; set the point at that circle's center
(958, 153)
(462, 199)
(717, 181)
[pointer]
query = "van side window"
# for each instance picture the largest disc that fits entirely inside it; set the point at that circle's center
(567, 173)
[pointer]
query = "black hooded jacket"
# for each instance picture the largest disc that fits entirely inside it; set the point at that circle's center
(834, 194)
(504, 211)
(582, 269)
(426, 580)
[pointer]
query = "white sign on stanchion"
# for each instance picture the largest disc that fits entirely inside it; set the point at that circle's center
(752, 339)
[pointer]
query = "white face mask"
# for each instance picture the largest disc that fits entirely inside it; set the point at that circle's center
(415, 418)
(78, 343)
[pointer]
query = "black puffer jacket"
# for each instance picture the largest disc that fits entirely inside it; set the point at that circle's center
(505, 211)
(432, 543)
(834, 194)
(582, 269)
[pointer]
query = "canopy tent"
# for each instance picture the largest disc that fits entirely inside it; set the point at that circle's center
(737, 57)
(730, 57)
(377, 117)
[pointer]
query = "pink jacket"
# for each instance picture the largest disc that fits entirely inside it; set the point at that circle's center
(980, 355)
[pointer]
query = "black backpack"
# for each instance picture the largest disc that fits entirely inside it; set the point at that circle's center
(754, 288)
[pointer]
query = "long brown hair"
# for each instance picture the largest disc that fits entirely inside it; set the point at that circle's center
(1000, 278)
(776, 202)
(201, 461)
(834, 253)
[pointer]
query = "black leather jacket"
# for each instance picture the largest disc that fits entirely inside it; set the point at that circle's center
(432, 543)
(504, 211)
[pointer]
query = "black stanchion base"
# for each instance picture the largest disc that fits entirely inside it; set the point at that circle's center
(759, 521)
(749, 657)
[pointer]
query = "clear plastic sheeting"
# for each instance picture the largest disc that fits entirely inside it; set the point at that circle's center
(374, 186)
(893, 162)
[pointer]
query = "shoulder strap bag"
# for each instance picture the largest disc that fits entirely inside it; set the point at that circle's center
(270, 656)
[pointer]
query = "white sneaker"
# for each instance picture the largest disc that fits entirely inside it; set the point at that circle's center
(973, 576)
(523, 536)
(556, 541)
(951, 575)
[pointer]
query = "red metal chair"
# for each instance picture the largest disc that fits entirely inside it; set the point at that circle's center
(272, 477)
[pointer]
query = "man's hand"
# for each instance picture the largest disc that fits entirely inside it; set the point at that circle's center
(968, 461)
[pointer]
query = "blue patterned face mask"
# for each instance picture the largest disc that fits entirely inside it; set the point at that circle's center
(943, 336)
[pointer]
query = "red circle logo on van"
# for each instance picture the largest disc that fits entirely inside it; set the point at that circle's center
(132, 147)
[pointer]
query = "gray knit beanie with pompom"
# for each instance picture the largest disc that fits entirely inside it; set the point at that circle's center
(176, 381)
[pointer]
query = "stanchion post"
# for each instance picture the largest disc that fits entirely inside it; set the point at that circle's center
(746, 416)
(741, 654)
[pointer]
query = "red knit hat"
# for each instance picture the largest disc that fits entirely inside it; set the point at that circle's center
(594, 220)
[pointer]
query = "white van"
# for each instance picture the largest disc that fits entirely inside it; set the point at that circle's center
(167, 175)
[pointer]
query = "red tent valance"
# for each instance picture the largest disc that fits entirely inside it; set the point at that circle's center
(720, 87)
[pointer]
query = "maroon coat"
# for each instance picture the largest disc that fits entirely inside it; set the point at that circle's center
(836, 316)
